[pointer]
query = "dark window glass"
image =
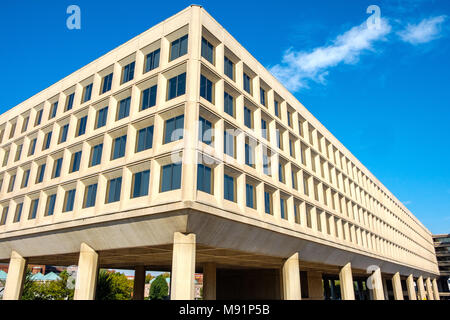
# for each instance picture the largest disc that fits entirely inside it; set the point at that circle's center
(267, 203)
(124, 108)
(48, 140)
(82, 126)
(206, 88)
(91, 194)
(12, 181)
(207, 50)
(38, 118)
(204, 178)
(115, 186)
(247, 83)
(58, 166)
(228, 145)
(228, 68)
(280, 173)
(76, 160)
(41, 172)
(87, 93)
(107, 82)
(64, 131)
(277, 109)
(33, 208)
(24, 126)
(149, 97)
(171, 177)
(264, 128)
(51, 205)
(119, 147)
(70, 200)
(178, 47)
(249, 196)
(54, 110)
(4, 215)
(96, 154)
(249, 155)
(248, 117)
(152, 60)
(128, 72)
(102, 115)
(177, 86)
(205, 131)
(228, 188)
(228, 104)
(262, 94)
(26, 178)
(141, 182)
(69, 104)
(145, 139)
(18, 214)
(174, 129)
(283, 208)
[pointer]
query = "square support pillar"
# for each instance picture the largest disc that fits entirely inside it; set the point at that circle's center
(291, 279)
(86, 274)
(397, 286)
(346, 280)
(139, 283)
(16, 275)
(183, 267)
(377, 285)
(435, 290)
(421, 289)
(411, 289)
(429, 289)
(209, 281)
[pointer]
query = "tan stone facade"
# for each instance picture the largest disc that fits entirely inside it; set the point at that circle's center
(304, 194)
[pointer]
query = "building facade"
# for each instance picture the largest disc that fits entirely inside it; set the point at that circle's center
(178, 150)
(442, 247)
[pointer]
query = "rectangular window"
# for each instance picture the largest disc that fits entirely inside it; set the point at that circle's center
(119, 147)
(262, 94)
(47, 140)
(24, 126)
(247, 83)
(87, 93)
(69, 200)
(82, 126)
(4, 216)
(250, 196)
(32, 147)
(174, 129)
(207, 50)
(18, 152)
(205, 131)
(107, 82)
(171, 177)
(248, 119)
(289, 119)
(12, 182)
(229, 68)
(204, 178)
(249, 155)
(178, 47)
(25, 178)
(267, 202)
(6, 158)
(228, 143)
(152, 60)
(38, 118)
(149, 97)
(128, 72)
(264, 129)
(40, 174)
(279, 139)
(291, 148)
(283, 208)
(63, 134)
(69, 103)
(206, 88)
(124, 108)
(33, 209)
(177, 86)
(294, 179)
(51, 200)
(90, 196)
(228, 188)
(277, 108)
(281, 173)
(115, 186)
(145, 139)
(140, 184)
(18, 213)
(76, 160)
(53, 110)
(228, 104)
(57, 168)
(102, 115)
(96, 155)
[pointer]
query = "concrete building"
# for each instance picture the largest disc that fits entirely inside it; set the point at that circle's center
(442, 247)
(179, 151)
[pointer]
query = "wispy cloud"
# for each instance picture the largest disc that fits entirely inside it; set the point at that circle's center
(407, 202)
(425, 31)
(298, 68)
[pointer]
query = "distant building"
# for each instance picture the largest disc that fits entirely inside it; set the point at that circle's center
(442, 248)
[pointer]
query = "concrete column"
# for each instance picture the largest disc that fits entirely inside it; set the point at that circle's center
(183, 266)
(346, 279)
(429, 289)
(411, 288)
(16, 275)
(435, 290)
(87, 274)
(315, 285)
(291, 279)
(377, 285)
(421, 289)
(139, 283)
(209, 281)
(397, 287)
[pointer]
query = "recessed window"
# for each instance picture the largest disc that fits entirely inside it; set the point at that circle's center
(102, 115)
(249, 154)
(174, 129)
(69, 200)
(107, 82)
(25, 178)
(206, 88)
(40, 173)
(204, 178)
(47, 140)
(171, 177)
(18, 212)
(119, 147)
(247, 83)
(12, 181)
(228, 104)
(283, 209)
(250, 193)
(207, 50)
(177, 86)
(5, 158)
(53, 110)
(289, 118)
(32, 147)
(140, 184)
(69, 103)
(90, 196)
(38, 118)
(4, 215)
(50, 207)
(262, 94)
(87, 93)
(276, 108)
(57, 165)
(63, 134)
(291, 148)
(33, 209)
(264, 131)
(24, 126)
(128, 72)
(229, 68)
(114, 188)
(152, 60)
(268, 202)
(266, 163)
(82, 126)
(145, 139)
(18, 152)
(96, 155)
(228, 142)
(124, 108)
(248, 118)
(76, 160)
(149, 97)
(229, 188)
(205, 131)
(279, 138)
(178, 47)
(281, 176)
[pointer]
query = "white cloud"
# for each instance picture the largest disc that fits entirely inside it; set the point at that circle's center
(425, 31)
(298, 68)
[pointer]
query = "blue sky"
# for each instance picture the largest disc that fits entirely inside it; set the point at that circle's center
(383, 93)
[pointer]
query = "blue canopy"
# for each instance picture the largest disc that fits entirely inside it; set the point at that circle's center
(3, 275)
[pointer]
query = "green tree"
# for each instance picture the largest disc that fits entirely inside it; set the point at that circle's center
(113, 286)
(159, 289)
(48, 290)
(148, 278)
